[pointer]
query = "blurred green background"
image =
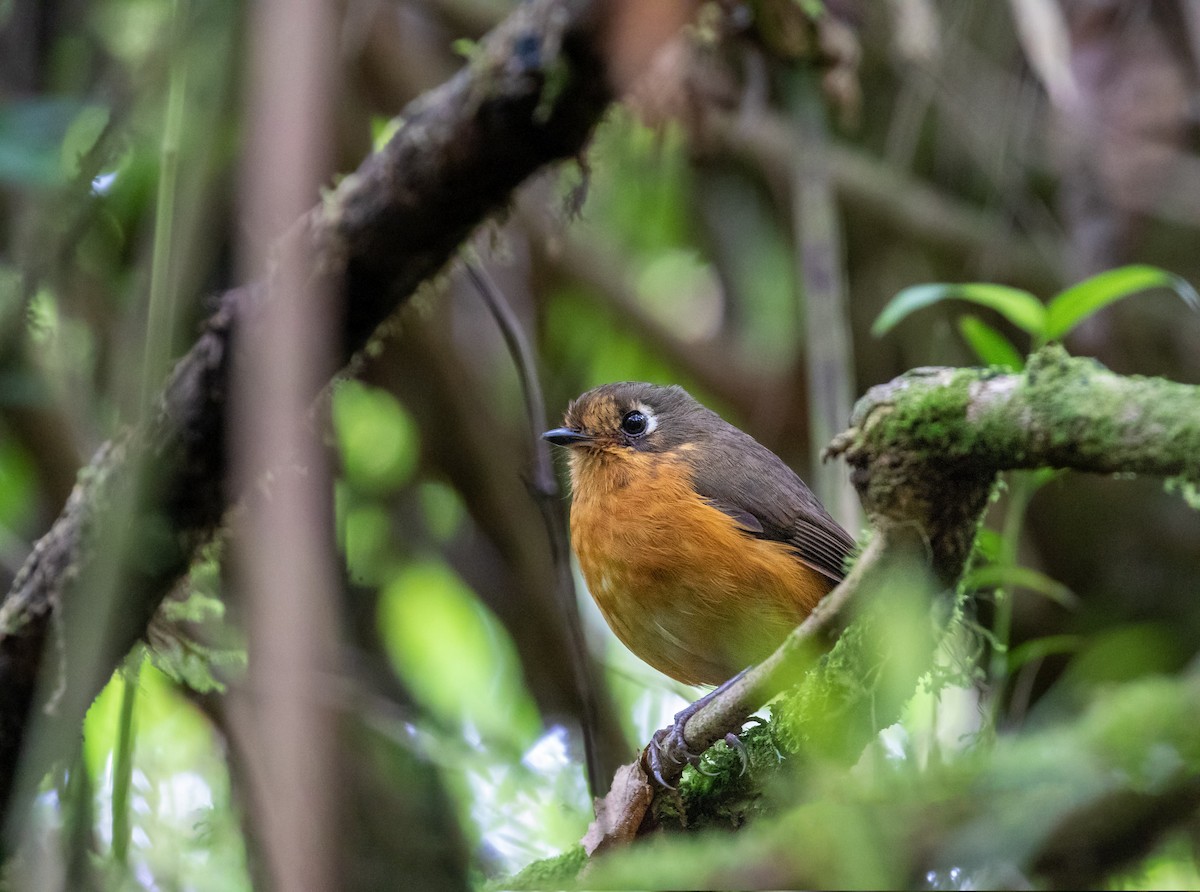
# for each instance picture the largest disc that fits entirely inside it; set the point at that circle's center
(737, 226)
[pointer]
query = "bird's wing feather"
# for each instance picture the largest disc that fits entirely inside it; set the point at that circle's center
(784, 511)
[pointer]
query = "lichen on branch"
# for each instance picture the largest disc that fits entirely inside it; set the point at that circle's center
(1062, 411)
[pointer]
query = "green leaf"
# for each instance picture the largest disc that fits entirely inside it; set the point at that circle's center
(454, 654)
(376, 437)
(988, 543)
(992, 347)
(1038, 648)
(467, 48)
(1072, 306)
(1019, 307)
(443, 509)
(367, 543)
(18, 488)
(81, 136)
(31, 135)
(997, 575)
(383, 129)
(1042, 476)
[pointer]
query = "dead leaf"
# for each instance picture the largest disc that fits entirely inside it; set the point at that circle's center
(620, 813)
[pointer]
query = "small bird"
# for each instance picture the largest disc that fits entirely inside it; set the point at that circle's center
(700, 546)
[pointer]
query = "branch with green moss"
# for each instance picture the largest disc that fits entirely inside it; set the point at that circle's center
(1067, 807)
(1061, 412)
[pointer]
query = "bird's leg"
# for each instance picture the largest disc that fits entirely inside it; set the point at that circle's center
(670, 744)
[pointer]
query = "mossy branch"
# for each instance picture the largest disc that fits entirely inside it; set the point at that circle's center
(1060, 808)
(1062, 412)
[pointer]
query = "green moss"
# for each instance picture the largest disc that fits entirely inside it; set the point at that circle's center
(549, 873)
(928, 420)
(1063, 408)
(1121, 418)
(812, 716)
(863, 684)
(1187, 489)
(723, 792)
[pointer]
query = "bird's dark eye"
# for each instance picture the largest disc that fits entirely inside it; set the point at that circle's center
(634, 423)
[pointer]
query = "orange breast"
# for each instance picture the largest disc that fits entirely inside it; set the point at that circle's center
(679, 583)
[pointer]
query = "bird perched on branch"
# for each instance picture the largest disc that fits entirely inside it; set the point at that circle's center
(700, 546)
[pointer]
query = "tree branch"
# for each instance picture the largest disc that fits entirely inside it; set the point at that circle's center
(1063, 807)
(907, 204)
(1062, 412)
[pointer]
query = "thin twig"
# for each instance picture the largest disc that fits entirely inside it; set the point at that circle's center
(545, 490)
(544, 482)
(728, 712)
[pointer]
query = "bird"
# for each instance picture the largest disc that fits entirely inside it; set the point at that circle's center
(700, 546)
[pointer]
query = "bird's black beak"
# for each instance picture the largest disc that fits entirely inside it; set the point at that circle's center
(564, 436)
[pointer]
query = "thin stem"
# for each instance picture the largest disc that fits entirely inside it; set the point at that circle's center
(821, 277)
(160, 324)
(1021, 490)
(522, 356)
(123, 761)
(160, 328)
(545, 486)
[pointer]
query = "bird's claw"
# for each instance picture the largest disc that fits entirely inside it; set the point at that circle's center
(735, 743)
(670, 744)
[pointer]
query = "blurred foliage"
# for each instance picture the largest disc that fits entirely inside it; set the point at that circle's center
(862, 828)
(41, 141)
(456, 658)
(662, 255)
(190, 641)
(186, 830)
(519, 794)
(375, 436)
(18, 482)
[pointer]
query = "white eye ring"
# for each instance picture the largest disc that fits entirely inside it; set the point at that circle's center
(651, 418)
(639, 421)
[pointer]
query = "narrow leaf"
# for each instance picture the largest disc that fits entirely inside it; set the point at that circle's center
(1039, 648)
(995, 575)
(1072, 306)
(992, 347)
(1019, 307)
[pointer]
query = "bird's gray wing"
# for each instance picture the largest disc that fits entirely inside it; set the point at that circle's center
(767, 500)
